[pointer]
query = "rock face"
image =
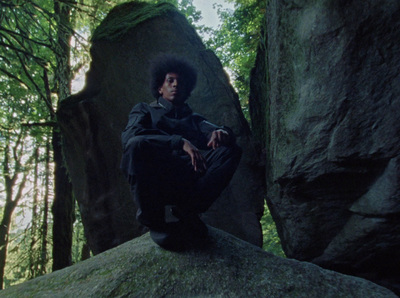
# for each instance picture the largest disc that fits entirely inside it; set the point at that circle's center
(92, 121)
(226, 267)
(333, 139)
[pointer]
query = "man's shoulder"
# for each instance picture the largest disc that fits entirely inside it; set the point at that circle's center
(144, 106)
(198, 117)
(154, 104)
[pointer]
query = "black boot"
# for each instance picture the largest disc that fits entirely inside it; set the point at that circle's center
(192, 222)
(186, 233)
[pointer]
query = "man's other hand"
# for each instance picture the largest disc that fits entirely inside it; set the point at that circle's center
(198, 161)
(218, 138)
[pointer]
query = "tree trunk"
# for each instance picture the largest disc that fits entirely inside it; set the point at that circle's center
(63, 205)
(33, 262)
(63, 211)
(9, 207)
(44, 228)
(4, 232)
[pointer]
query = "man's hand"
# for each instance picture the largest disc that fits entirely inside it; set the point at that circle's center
(218, 138)
(198, 161)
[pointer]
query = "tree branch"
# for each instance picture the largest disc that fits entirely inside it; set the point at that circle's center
(14, 77)
(38, 90)
(13, 33)
(39, 60)
(40, 124)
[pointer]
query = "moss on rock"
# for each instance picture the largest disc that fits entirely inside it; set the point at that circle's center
(226, 267)
(126, 16)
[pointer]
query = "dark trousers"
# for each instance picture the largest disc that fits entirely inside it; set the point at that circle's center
(161, 176)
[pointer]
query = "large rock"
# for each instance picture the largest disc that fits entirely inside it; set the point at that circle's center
(333, 139)
(226, 267)
(92, 121)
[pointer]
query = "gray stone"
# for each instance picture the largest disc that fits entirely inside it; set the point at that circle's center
(226, 267)
(92, 121)
(333, 138)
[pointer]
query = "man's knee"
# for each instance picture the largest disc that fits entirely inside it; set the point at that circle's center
(233, 153)
(138, 148)
(137, 143)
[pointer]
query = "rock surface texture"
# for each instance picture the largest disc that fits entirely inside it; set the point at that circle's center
(333, 139)
(226, 267)
(92, 121)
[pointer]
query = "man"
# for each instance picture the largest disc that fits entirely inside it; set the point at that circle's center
(176, 162)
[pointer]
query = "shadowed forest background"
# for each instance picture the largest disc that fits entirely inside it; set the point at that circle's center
(44, 45)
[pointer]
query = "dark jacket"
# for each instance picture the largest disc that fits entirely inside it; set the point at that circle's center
(168, 124)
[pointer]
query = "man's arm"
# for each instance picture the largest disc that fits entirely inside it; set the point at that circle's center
(198, 161)
(140, 124)
(217, 135)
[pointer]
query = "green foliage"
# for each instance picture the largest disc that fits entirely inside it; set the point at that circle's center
(29, 49)
(187, 8)
(235, 42)
(25, 256)
(24, 181)
(26, 57)
(271, 241)
(79, 239)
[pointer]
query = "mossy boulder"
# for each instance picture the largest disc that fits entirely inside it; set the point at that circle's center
(225, 267)
(91, 123)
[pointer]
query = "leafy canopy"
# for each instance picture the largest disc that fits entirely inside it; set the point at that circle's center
(235, 42)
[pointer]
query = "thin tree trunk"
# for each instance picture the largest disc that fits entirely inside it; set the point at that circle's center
(33, 262)
(44, 227)
(8, 210)
(11, 203)
(4, 233)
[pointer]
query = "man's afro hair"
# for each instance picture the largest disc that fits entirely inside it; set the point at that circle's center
(167, 63)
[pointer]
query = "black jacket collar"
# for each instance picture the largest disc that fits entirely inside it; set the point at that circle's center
(179, 111)
(165, 103)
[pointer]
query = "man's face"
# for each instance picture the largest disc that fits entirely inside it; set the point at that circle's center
(173, 89)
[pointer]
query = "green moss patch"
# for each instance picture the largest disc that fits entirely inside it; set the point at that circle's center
(128, 15)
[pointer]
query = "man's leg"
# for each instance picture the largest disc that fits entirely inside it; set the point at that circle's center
(156, 172)
(162, 177)
(221, 165)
